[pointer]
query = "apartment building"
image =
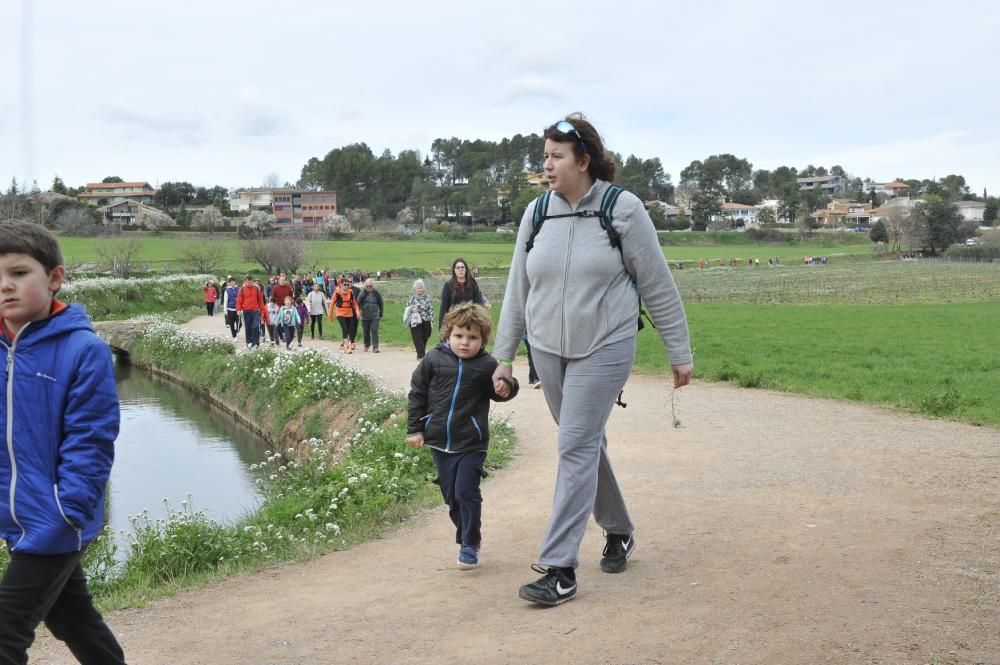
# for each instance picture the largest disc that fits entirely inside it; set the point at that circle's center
(113, 192)
(299, 209)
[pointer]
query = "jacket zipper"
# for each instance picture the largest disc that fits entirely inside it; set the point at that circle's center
(10, 429)
(476, 425)
(451, 409)
(79, 532)
(569, 256)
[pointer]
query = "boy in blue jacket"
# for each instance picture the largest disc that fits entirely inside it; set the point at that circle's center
(449, 405)
(60, 414)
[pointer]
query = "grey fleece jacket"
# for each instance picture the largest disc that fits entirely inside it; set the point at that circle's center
(574, 293)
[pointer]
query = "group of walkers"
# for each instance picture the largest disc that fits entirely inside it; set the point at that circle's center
(278, 312)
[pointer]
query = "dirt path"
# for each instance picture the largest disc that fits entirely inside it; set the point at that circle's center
(771, 529)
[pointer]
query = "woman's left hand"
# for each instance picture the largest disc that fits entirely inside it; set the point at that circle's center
(682, 374)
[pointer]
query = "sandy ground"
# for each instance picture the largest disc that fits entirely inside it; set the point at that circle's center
(771, 529)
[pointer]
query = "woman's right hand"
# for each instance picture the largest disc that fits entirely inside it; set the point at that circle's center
(501, 387)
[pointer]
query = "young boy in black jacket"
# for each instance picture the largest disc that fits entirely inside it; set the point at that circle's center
(449, 405)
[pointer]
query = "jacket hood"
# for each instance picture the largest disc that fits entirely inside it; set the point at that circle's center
(69, 319)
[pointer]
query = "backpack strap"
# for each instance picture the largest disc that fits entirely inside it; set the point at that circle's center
(611, 195)
(541, 207)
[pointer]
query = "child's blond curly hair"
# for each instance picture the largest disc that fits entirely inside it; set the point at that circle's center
(468, 315)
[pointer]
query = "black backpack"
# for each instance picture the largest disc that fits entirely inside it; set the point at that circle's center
(603, 215)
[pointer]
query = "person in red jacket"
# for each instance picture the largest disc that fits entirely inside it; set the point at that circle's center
(211, 295)
(250, 303)
(282, 289)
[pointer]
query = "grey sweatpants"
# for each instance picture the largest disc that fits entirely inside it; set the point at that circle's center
(580, 394)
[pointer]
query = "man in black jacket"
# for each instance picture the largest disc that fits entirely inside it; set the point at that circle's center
(449, 404)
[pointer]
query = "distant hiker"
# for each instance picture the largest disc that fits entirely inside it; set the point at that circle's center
(372, 308)
(211, 295)
(419, 317)
(250, 304)
(317, 302)
(462, 287)
(229, 305)
(449, 404)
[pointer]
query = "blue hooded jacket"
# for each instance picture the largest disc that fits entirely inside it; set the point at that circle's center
(59, 411)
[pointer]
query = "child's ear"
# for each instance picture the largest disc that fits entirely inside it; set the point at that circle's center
(56, 277)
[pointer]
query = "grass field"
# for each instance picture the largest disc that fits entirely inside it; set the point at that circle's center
(163, 253)
(936, 360)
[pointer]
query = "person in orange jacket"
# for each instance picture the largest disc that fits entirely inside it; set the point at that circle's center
(344, 306)
(250, 303)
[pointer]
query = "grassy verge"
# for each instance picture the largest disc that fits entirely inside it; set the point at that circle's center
(935, 360)
(107, 299)
(323, 493)
(429, 254)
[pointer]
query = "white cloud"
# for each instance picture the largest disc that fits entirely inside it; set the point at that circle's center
(225, 92)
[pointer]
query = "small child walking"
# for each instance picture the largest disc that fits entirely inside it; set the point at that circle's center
(272, 319)
(449, 404)
(288, 320)
(303, 311)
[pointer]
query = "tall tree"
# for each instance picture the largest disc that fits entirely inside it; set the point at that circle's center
(112, 178)
(937, 224)
(58, 186)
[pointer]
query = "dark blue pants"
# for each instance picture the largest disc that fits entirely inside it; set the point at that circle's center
(459, 475)
(251, 324)
(52, 589)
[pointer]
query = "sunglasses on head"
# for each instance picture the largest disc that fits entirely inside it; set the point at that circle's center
(564, 127)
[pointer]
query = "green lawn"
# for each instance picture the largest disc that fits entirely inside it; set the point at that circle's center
(937, 360)
(165, 253)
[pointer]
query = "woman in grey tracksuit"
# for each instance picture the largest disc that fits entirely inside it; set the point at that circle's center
(577, 297)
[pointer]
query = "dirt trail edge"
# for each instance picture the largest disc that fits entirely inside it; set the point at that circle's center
(771, 529)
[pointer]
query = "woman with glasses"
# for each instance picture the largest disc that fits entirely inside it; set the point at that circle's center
(577, 297)
(462, 287)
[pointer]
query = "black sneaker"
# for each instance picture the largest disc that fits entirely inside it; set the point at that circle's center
(617, 552)
(556, 586)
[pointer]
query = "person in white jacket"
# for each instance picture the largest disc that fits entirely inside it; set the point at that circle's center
(317, 303)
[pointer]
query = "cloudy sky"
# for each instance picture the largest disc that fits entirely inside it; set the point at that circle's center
(226, 92)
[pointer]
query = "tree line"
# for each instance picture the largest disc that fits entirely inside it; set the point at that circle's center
(483, 178)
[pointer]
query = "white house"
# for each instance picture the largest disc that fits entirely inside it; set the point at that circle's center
(739, 213)
(773, 205)
(972, 211)
(255, 198)
(126, 212)
(829, 184)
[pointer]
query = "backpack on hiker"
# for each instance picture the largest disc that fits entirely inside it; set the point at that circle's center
(604, 216)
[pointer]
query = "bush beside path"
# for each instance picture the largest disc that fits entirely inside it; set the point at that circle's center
(771, 529)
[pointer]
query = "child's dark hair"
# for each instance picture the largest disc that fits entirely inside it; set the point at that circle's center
(22, 237)
(468, 315)
(602, 165)
(273, 300)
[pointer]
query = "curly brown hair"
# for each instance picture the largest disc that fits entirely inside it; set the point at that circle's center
(468, 315)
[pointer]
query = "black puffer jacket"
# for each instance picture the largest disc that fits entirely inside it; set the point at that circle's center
(450, 400)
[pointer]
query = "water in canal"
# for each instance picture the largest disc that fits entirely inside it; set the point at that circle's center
(173, 443)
